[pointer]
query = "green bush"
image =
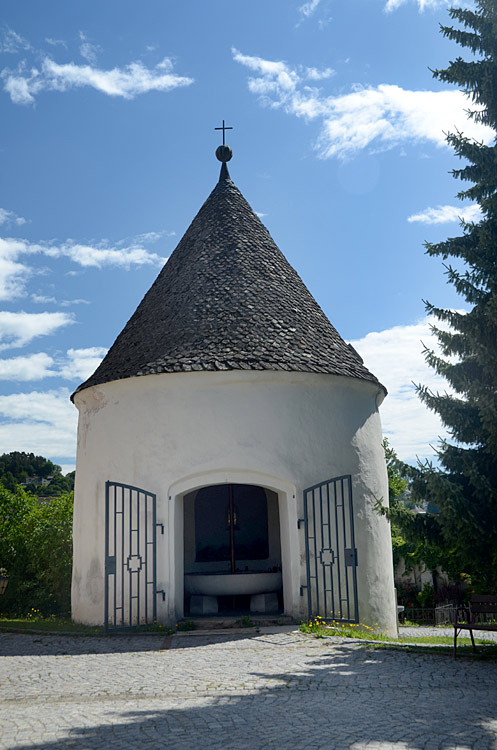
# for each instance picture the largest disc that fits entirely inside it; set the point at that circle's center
(36, 550)
(407, 593)
(426, 597)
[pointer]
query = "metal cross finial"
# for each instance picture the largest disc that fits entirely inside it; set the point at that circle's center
(225, 127)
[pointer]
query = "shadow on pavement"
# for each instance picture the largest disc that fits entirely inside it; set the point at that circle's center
(27, 644)
(347, 696)
(30, 644)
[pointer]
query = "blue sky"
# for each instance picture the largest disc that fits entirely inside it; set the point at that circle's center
(107, 148)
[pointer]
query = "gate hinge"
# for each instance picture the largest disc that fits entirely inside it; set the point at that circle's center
(300, 522)
(161, 591)
(161, 528)
(302, 590)
(351, 556)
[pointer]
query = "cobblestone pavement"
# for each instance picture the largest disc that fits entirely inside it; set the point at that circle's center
(258, 690)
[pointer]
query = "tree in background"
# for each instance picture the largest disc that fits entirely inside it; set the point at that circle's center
(415, 534)
(21, 468)
(36, 550)
(399, 511)
(464, 486)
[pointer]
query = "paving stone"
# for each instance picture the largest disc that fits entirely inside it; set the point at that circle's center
(256, 690)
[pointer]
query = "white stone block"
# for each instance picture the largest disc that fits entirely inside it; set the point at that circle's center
(267, 603)
(203, 605)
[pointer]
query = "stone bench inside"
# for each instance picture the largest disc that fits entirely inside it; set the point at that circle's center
(267, 603)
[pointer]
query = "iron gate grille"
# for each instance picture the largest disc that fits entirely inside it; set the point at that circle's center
(331, 555)
(130, 556)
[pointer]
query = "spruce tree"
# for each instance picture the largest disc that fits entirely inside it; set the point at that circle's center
(463, 486)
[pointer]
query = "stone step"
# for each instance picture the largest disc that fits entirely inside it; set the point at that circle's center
(223, 622)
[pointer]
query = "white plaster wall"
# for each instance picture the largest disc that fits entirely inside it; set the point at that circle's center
(173, 433)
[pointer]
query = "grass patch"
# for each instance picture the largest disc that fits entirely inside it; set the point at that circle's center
(34, 621)
(184, 626)
(246, 622)
(50, 624)
(322, 629)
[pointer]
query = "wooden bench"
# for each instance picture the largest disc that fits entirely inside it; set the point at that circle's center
(479, 604)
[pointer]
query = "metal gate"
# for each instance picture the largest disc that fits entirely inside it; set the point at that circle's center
(130, 557)
(331, 555)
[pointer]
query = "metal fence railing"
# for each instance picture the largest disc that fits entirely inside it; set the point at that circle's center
(421, 615)
(445, 615)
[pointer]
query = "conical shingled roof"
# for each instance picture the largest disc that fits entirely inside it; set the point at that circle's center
(227, 299)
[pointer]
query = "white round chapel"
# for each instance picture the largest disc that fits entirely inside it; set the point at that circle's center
(230, 447)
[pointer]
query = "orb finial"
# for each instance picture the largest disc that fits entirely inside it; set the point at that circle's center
(224, 153)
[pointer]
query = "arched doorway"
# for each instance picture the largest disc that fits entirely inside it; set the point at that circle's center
(232, 550)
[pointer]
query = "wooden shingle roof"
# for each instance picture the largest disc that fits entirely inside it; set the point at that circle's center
(227, 299)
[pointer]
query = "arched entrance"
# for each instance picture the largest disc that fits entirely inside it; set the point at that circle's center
(171, 555)
(232, 550)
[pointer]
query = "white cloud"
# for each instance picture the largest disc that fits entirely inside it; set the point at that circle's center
(41, 299)
(69, 302)
(279, 85)
(56, 42)
(30, 367)
(87, 50)
(9, 217)
(388, 115)
(100, 256)
(24, 84)
(14, 274)
(149, 237)
(12, 43)
(422, 4)
(77, 364)
(447, 214)
(314, 74)
(19, 328)
(44, 423)
(395, 356)
(374, 117)
(66, 468)
(270, 68)
(308, 9)
(81, 363)
(36, 406)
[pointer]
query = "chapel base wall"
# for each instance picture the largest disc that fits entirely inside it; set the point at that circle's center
(169, 434)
